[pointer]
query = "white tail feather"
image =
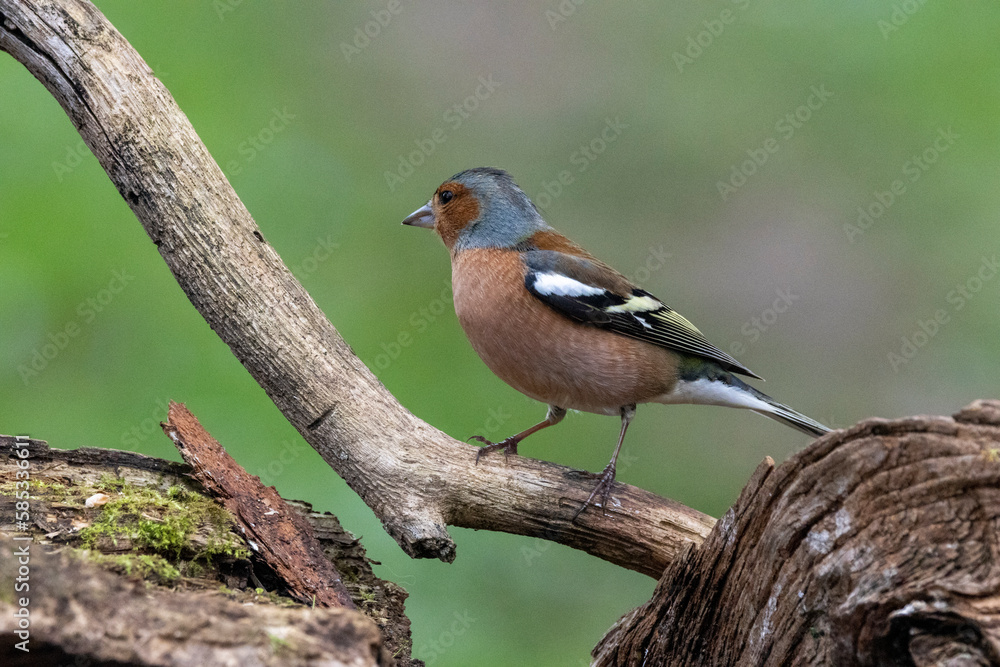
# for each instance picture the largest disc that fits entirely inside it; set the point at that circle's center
(734, 393)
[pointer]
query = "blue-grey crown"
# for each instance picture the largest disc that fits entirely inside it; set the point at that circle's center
(506, 215)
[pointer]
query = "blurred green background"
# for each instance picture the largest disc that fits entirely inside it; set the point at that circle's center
(804, 114)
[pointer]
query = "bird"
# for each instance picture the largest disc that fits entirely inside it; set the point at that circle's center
(564, 328)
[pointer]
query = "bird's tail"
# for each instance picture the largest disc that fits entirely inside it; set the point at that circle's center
(781, 412)
(719, 387)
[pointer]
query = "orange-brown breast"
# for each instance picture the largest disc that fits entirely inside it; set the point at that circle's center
(544, 354)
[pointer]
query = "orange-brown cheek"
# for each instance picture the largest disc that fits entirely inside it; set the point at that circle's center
(457, 216)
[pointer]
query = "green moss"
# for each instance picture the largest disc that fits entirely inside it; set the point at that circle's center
(274, 598)
(192, 569)
(146, 566)
(111, 484)
(50, 491)
(48, 487)
(170, 533)
(162, 523)
(278, 644)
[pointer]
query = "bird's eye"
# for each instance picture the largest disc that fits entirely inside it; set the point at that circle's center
(446, 196)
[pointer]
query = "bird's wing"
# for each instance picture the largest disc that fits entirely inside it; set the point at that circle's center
(593, 293)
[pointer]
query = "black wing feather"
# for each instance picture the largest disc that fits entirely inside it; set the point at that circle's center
(634, 313)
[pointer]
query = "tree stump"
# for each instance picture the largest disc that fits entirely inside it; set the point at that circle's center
(877, 545)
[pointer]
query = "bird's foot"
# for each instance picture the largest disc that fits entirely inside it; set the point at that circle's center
(606, 480)
(509, 446)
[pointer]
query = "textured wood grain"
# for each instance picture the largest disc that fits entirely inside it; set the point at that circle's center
(877, 545)
(415, 478)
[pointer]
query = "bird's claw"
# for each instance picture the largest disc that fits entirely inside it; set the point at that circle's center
(604, 486)
(509, 446)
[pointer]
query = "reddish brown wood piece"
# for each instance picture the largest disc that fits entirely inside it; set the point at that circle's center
(275, 532)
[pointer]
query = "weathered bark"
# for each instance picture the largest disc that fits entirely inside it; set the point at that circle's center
(82, 614)
(877, 545)
(415, 478)
(275, 531)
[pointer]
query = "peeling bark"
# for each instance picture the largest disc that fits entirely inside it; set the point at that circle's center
(281, 536)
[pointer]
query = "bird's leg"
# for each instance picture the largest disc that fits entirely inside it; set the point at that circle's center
(509, 446)
(607, 478)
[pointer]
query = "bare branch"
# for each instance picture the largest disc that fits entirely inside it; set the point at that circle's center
(415, 478)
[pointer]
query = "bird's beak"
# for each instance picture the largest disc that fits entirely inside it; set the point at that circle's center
(422, 217)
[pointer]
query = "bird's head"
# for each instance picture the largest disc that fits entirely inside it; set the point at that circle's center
(479, 208)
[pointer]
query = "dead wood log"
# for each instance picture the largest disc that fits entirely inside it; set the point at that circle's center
(206, 606)
(82, 613)
(415, 478)
(877, 545)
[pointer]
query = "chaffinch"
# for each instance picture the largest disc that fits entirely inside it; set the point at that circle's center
(564, 328)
